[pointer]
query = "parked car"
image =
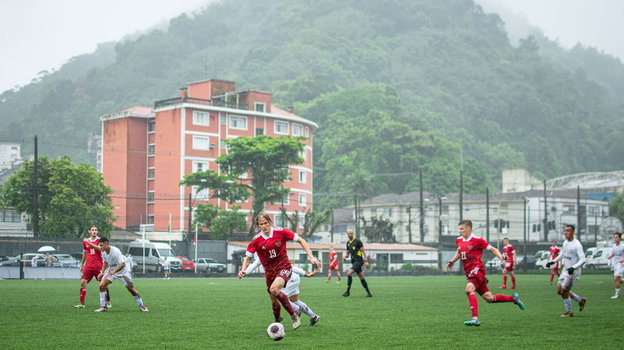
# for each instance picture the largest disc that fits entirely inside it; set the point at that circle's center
(210, 265)
(64, 260)
(153, 255)
(541, 258)
(598, 259)
(187, 263)
(529, 263)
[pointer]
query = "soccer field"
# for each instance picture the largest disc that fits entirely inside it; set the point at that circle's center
(405, 313)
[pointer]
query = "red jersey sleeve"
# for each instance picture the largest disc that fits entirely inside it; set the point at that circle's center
(481, 243)
(251, 247)
(288, 235)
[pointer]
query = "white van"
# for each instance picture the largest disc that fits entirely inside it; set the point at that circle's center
(541, 258)
(598, 258)
(152, 255)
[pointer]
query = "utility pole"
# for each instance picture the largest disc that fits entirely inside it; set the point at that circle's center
(332, 226)
(357, 223)
(461, 195)
(578, 212)
(409, 223)
(545, 214)
(440, 219)
(422, 212)
(190, 219)
(487, 213)
(36, 192)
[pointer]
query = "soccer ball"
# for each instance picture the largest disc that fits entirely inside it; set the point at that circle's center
(276, 331)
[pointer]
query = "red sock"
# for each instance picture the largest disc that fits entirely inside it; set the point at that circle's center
(500, 298)
(276, 310)
(552, 275)
(83, 292)
(505, 280)
(285, 303)
(513, 281)
(474, 304)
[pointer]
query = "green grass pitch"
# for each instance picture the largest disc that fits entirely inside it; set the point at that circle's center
(225, 313)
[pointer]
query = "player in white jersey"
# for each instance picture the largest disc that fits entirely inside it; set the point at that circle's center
(618, 262)
(117, 268)
(573, 258)
(292, 290)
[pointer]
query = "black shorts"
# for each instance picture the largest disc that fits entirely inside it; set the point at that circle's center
(357, 266)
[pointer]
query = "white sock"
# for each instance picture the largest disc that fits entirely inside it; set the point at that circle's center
(568, 305)
(103, 299)
(617, 291)
(294, 306)
(137, 298)
(305, 308)
(576, 298)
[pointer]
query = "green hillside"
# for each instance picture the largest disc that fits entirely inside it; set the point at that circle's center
(396, 86)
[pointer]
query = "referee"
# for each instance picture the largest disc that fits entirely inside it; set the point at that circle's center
(355, 248)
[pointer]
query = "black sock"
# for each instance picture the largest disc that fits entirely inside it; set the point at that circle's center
(365, 285)
(350, 279)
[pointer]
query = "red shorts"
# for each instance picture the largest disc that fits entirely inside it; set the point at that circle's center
(333, 268)
(270, 276)
(555, 266)
(88, 274)
(479, 281)
(509, 266)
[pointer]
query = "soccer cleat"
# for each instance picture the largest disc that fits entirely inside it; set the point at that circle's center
(473, 322)
(280, 319)
(518, 302)
(567, 314)
(143, 308)
(314, 320)
(513, 287)
(101, 309)
(582, 304)
(502, 287)
(346, 294)
(327, 281)
(108, 305)
(296, 320)
(369, 295)
(79, 306)
(338, 282)
(615, 297)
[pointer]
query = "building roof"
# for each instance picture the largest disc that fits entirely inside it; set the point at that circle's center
(369, 246)
(280, 112)
(136, 111)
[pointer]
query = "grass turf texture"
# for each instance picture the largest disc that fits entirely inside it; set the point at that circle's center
(225, 313)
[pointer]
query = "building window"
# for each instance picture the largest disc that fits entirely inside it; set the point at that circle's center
(150, 197)
(237, 122)
(201, 143)
(151, 125)
(569, 209)
(150, 173)
(281, 128)
(278, 221)
(302, 176)
(259, 107)
(222, 144)
(307, 131)
(297, 130)
(150, 220)
(396, 258)
(301, 221)
(201, 118)
(200, 166)
(259, 131)
(302, 200)
(201, 195)
(304, 154)
(504, 208)
(151, 150)
(9, 215)
(286, 199)
(222, 119)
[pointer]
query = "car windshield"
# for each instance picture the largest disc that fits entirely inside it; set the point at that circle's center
(166, 252)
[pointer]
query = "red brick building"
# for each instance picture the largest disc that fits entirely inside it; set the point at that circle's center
(146, 152)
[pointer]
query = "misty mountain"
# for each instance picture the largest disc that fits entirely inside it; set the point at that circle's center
(397, 87)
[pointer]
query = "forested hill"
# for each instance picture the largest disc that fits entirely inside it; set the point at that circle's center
(396, 86)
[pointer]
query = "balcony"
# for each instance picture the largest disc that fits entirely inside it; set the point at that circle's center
(216, 103)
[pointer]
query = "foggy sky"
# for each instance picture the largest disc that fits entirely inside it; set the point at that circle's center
(37, 35)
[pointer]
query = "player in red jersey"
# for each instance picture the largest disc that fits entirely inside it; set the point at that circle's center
(90, 266)
(511, 261)
(469, 249)
(270, 245)
(553, 252)
(333, 265)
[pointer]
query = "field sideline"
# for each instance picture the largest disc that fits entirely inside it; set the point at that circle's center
(405, 313)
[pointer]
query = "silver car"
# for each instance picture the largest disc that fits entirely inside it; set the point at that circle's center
(209, 265)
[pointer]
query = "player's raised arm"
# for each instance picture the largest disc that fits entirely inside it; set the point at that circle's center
(243, 272)
(305, 247)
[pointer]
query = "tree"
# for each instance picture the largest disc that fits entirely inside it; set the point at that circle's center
(311, 220)
(616, 207)
(379, 231)
(71, 197)
(265, 159)
(227, 222)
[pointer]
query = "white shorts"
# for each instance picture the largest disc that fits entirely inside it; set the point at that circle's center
(125, 279)
(618, 269)
(292, 287)
(567, 281)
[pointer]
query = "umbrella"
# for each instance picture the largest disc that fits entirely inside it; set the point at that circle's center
(46, 248)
